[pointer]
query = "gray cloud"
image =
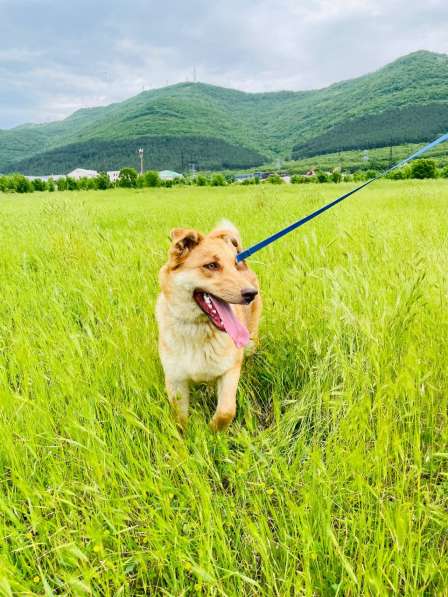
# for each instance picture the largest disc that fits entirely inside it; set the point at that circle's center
(56, 57)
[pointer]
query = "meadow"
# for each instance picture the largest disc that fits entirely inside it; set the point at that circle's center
(333, 480)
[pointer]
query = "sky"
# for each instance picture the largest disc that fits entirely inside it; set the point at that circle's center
(57, 56)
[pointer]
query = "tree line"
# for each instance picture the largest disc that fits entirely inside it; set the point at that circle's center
(419, 169)
(129, 178)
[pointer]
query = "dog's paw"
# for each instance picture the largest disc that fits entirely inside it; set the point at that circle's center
(221, 421)
(182, 422)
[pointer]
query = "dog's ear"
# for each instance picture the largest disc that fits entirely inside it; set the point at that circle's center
(227, 231)
(183, 241)
(230, 236)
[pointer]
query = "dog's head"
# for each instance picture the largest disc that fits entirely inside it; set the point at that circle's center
(202, 270)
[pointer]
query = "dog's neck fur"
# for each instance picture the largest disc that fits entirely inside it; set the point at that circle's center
(186, 317)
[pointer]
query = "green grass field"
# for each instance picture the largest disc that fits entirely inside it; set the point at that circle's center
(333, 478)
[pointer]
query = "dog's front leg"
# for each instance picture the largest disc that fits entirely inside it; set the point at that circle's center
(226, 408)
(179, 396)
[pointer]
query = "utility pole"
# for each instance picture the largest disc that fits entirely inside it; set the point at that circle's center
(141, 152)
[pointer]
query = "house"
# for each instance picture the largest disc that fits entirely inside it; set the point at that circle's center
(82, 173)
(169, 175)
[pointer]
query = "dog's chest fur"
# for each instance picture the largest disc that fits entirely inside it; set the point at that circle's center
(193, 349)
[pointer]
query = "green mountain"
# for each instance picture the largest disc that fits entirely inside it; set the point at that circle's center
(406, 101)
(409, 124)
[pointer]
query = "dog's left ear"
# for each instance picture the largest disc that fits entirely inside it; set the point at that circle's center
(231, 236)
(184, 240)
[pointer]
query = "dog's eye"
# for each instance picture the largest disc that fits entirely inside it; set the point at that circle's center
(212, 266)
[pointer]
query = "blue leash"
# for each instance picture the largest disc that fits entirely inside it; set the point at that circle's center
(270, 239)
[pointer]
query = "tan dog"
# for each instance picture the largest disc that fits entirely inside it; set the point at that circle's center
(207, 312)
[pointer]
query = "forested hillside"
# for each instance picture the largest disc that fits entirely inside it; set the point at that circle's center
(180, 153)
(391, 127)
(215, 127)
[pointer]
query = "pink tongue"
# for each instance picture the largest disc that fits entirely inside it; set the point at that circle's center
(232, 325)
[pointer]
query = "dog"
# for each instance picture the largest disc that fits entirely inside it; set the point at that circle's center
(207, 313)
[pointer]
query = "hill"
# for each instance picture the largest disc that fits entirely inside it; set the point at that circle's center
(179, 152)
(218, 128)
(410, 124)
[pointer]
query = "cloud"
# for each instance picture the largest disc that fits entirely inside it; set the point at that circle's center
(57, 56)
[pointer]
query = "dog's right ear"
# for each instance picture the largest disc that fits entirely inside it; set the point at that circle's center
(183, 241)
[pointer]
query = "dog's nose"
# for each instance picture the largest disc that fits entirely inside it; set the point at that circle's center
(249, 294)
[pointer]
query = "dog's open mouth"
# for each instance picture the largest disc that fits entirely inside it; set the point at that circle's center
(222, 316)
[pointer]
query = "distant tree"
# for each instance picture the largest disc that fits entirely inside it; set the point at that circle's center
(3, 184)
(102, 181)
(128, 178)
(62, 184)
(423, 169)
(72, 183)
(200, 180)
(39, 184)
(218, 180)
(444, 172)
(50, 185)
(322, 176)
(302, 179)
(22, 184)
(275, 179)
(11, 183)
(396, 174)
(399, 174)
(168, 183)
(152, 179)
(83, 183)
(336, 176)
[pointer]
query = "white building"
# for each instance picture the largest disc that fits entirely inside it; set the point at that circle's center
(81, 173)
(169, 175)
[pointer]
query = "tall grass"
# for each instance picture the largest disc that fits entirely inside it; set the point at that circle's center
(332, 480)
